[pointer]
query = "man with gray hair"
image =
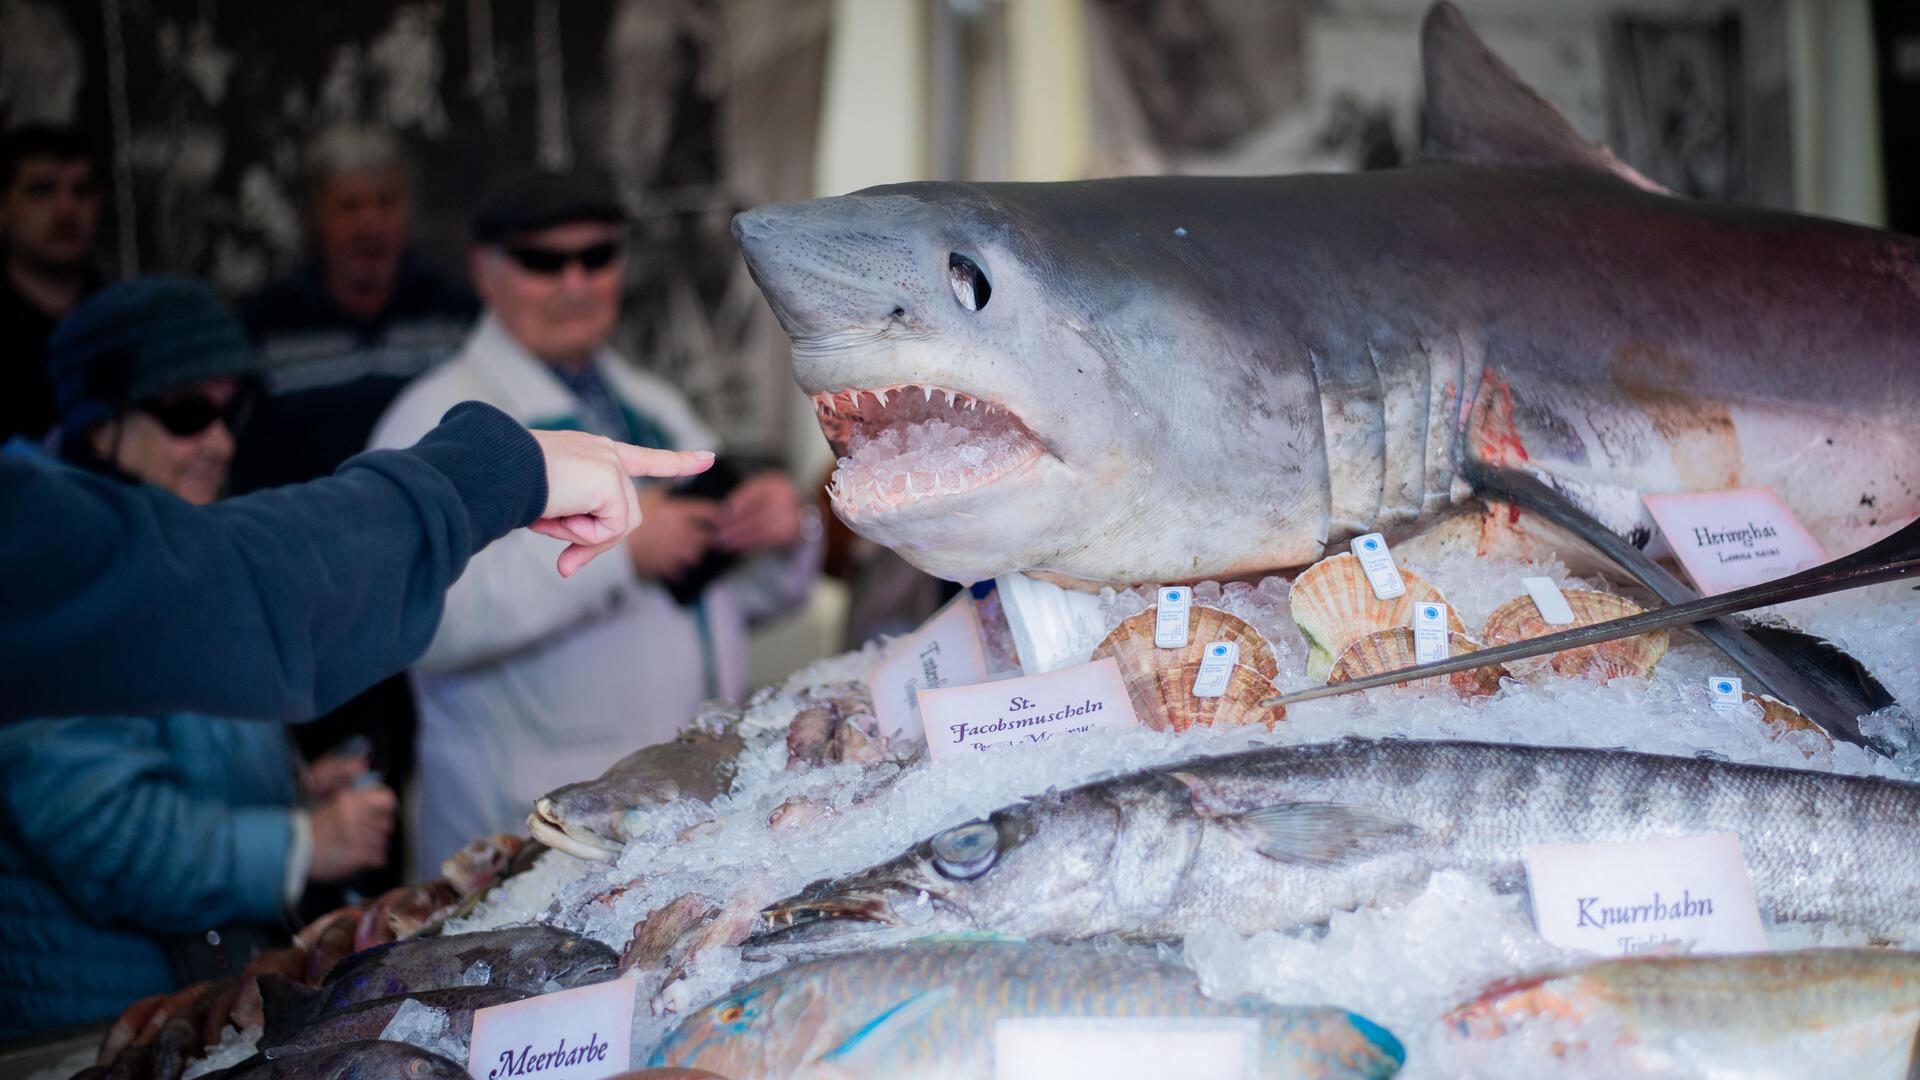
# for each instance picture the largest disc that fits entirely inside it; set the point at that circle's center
(355, 322)
(340, 338)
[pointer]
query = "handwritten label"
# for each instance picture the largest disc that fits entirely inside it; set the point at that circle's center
(1377, 561)
(1724, 693)
(1170, 617)
(945, 651)
(1689, 894)
(577, 1034)
(1130, 1048)
(1729, 540)
(962, 720)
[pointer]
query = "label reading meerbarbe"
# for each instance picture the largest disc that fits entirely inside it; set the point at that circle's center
(1170, 617)
(1216, 669)
(580, 1034)
(1377, 561)
(1723, 691)
(1685, 894)
(1430, 633)
(1548, 598)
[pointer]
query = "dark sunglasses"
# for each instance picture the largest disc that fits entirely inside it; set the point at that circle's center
(189, 416)
(552, 261)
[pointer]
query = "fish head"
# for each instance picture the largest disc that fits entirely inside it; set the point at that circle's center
(1008, 387)
(585, 820)
(771, 1027)
(1005, 873)
(369, 1059)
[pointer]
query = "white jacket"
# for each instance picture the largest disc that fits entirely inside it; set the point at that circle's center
(534, 680)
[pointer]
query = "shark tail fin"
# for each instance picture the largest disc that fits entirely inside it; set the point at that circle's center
(1480, 111)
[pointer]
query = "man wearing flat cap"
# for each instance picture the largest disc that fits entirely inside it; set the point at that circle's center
(531, 681)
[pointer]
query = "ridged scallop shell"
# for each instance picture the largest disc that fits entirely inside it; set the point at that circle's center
(1131, 642)
(1160, 681)
(1519, 619)
(1334, 605)
(1392, 649)
(1166, 699)
(1782, 717)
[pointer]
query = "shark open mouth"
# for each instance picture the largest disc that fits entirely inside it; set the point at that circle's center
(905, 444)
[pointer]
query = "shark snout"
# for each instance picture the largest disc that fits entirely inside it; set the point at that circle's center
(833, 266)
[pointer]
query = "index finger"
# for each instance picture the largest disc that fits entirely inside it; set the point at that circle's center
(642, 461)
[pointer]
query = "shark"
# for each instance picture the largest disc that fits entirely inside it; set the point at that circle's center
(1175, 378)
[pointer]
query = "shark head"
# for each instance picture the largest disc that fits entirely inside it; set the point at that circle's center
(1005, 391)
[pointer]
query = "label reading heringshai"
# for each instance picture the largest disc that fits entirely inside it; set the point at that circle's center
(580, 1034)
(945, 651)
(1028, 711)
(1729, 540)
(1117, 1048)
(1688, 894)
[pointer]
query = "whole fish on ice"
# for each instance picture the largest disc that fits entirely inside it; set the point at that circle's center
(594, 819)
(1813, 1013)
(1179, 378)
(1274, 838)
(523, 957)
(934, 1009)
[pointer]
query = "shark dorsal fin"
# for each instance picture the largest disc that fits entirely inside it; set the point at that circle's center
(1479, 111)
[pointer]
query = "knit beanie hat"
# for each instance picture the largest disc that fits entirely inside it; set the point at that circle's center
(135, 339)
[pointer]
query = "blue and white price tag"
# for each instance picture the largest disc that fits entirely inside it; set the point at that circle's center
(1170, 617)
(1724, 692)
(1216, 669)
(1430, 633)
(1377, 561)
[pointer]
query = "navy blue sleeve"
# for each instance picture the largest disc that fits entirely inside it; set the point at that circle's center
(276, 605)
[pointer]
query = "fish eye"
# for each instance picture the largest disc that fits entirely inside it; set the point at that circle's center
(732, 1014)
(970, 284)
(419, 1067)
(964, 852)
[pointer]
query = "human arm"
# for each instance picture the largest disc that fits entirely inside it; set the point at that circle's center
(283, 603)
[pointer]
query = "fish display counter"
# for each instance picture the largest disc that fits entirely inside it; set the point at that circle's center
(1175, 423)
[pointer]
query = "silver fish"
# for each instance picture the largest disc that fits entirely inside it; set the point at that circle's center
(932, 1010)
(594, 819)
(1274, 838)
(1811, 1013)
(1180, 378)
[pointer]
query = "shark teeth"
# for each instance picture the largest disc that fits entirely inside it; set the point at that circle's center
(845, 403)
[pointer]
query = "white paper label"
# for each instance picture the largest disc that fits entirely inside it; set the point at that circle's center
(945, 651)
(1723, 691)
(568, 1035)
(1129, 1048)
(1548, 598)
(1216, 669)
(1170, 617)
(1728, 540)
(1689, 894)
(963, 720)
(1430, 633)
(1377, 561)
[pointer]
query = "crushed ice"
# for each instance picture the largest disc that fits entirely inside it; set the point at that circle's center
(428, 1028)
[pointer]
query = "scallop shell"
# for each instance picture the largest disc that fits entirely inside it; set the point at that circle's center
(1519, 619)
(1160, 681)
(1782, 717)
(1334, 605)
(1392, 649)
(1131, 643)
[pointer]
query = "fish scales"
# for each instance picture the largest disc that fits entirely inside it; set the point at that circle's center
(1274, 838)
(930, 1010)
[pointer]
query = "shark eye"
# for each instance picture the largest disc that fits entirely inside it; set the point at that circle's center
(964, 852)
(970, 284)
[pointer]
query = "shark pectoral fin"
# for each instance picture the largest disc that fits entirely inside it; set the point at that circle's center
(866, 1051)
(1479, 110)
(1315, 834)
(285, 1007)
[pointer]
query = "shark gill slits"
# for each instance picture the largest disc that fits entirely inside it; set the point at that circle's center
(964, 852)
(969, 281)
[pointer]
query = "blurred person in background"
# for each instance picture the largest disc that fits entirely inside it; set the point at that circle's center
(49, 215)
(141, 853)
(360, 317)
(533, 682)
